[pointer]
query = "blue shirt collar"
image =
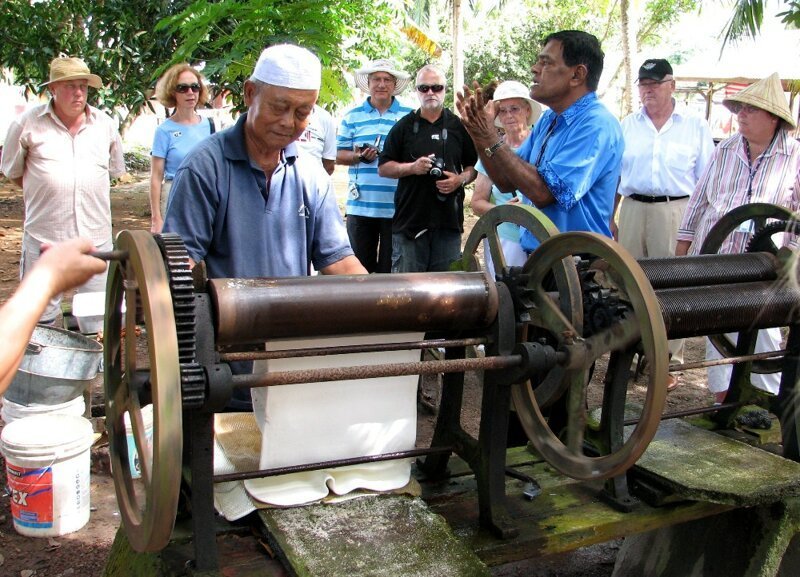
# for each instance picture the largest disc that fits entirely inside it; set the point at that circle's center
(393, 107)
(234, 148)
(578, 106)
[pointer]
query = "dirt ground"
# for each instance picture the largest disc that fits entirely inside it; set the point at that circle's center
(83, 553)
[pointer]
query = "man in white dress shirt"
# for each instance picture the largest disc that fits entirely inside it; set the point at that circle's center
(666, 152)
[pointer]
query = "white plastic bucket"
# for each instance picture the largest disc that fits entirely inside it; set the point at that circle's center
(133, 456)
(47, 462)
(12, 411)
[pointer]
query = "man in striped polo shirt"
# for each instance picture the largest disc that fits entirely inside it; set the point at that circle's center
(370, 199)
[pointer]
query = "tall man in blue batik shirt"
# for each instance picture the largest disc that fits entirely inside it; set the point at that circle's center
(666, 151)
(370, 199)
(569, 165)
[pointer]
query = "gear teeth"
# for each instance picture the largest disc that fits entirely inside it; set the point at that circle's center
(182, 290)
(193, 385)
(761, 241)
(601, 305)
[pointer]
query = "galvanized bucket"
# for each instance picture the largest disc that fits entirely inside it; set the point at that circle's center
(57, 367)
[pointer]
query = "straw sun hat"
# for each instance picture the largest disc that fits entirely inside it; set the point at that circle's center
(766, 94)
(384, 65)
(513, 89)
(66, 68)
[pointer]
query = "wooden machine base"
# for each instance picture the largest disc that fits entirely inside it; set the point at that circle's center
(693, 473)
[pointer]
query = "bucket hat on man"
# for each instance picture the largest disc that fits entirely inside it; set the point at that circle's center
(67, 68)
(384, 65)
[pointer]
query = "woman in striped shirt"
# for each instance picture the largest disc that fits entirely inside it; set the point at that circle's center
(758, 164)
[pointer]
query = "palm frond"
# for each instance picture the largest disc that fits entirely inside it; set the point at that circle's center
(422, 40)
(745, 21)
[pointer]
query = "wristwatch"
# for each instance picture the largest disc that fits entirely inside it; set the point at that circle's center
(493, 148)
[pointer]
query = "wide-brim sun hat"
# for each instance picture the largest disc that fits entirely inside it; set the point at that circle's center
(383, 65)
(67, 68)
(766, 94)
(513, 89)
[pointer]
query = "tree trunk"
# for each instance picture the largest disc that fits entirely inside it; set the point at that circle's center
(458, 53)
(628, 21)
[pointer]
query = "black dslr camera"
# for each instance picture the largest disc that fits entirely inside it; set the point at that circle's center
(437, 168)
(366, 146)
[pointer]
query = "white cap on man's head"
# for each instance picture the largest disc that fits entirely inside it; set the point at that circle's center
(289, 66)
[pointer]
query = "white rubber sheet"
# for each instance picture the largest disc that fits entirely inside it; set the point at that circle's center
(317, 422)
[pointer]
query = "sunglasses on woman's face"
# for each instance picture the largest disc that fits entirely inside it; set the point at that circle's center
(184, 88)
(425, 88)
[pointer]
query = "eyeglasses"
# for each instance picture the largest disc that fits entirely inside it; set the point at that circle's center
(184, 88)
(425, 88)
(652, 83)
(736, 108)
(509, 110)
(382, 79)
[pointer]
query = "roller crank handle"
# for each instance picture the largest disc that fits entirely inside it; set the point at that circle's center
(110, 255)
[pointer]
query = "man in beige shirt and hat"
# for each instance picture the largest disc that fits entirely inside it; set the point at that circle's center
(63, 154)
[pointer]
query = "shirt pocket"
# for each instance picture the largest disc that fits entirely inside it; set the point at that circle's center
(679, 157)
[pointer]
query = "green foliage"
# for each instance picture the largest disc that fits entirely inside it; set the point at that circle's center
(748, 15)
(229, 35)
(129, 43)
(137, 159)
(791, 16)
(507, 45)
(114, 37)
(506, 52)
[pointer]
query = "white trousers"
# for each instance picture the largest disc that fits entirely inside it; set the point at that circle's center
(719, 377)
(512, 251)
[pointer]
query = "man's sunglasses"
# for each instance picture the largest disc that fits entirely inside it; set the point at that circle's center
(184, 88)
(425, 88)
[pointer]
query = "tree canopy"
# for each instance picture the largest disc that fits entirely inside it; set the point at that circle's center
(128, 43)
(114, 37)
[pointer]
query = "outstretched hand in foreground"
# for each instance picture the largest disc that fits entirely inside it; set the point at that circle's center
(60, 267)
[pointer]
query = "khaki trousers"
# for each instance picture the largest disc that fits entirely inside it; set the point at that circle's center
(650, 230)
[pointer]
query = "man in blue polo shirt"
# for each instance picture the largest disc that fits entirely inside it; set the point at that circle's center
(570, 164)
(370, 199)
(243, 200)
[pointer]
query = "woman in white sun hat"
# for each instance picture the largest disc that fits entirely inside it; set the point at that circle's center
(516, 114)
(758, 164)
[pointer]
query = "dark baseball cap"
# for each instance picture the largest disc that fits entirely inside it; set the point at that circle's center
(654, 69)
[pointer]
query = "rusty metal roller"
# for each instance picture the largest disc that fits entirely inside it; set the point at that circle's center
(709, 269)
(696, 311)
(254, 310)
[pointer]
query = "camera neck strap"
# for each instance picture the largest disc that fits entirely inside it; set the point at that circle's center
(442, 133)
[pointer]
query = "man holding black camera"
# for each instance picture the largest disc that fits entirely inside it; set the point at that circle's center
(370, 198)
(431, 154)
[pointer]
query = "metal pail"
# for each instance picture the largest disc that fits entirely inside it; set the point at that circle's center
(56, 368)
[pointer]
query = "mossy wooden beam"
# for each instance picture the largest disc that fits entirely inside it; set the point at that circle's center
(370, 537)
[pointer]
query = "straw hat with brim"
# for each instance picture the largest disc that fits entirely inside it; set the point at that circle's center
(513, 89)
(401, 78)
(766, 94)
(64, 68)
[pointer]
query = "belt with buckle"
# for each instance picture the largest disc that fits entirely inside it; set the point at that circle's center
(648, 198)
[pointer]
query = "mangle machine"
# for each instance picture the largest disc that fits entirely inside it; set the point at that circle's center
(579, 311)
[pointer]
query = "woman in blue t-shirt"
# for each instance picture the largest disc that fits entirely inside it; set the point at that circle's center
(182, 88)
